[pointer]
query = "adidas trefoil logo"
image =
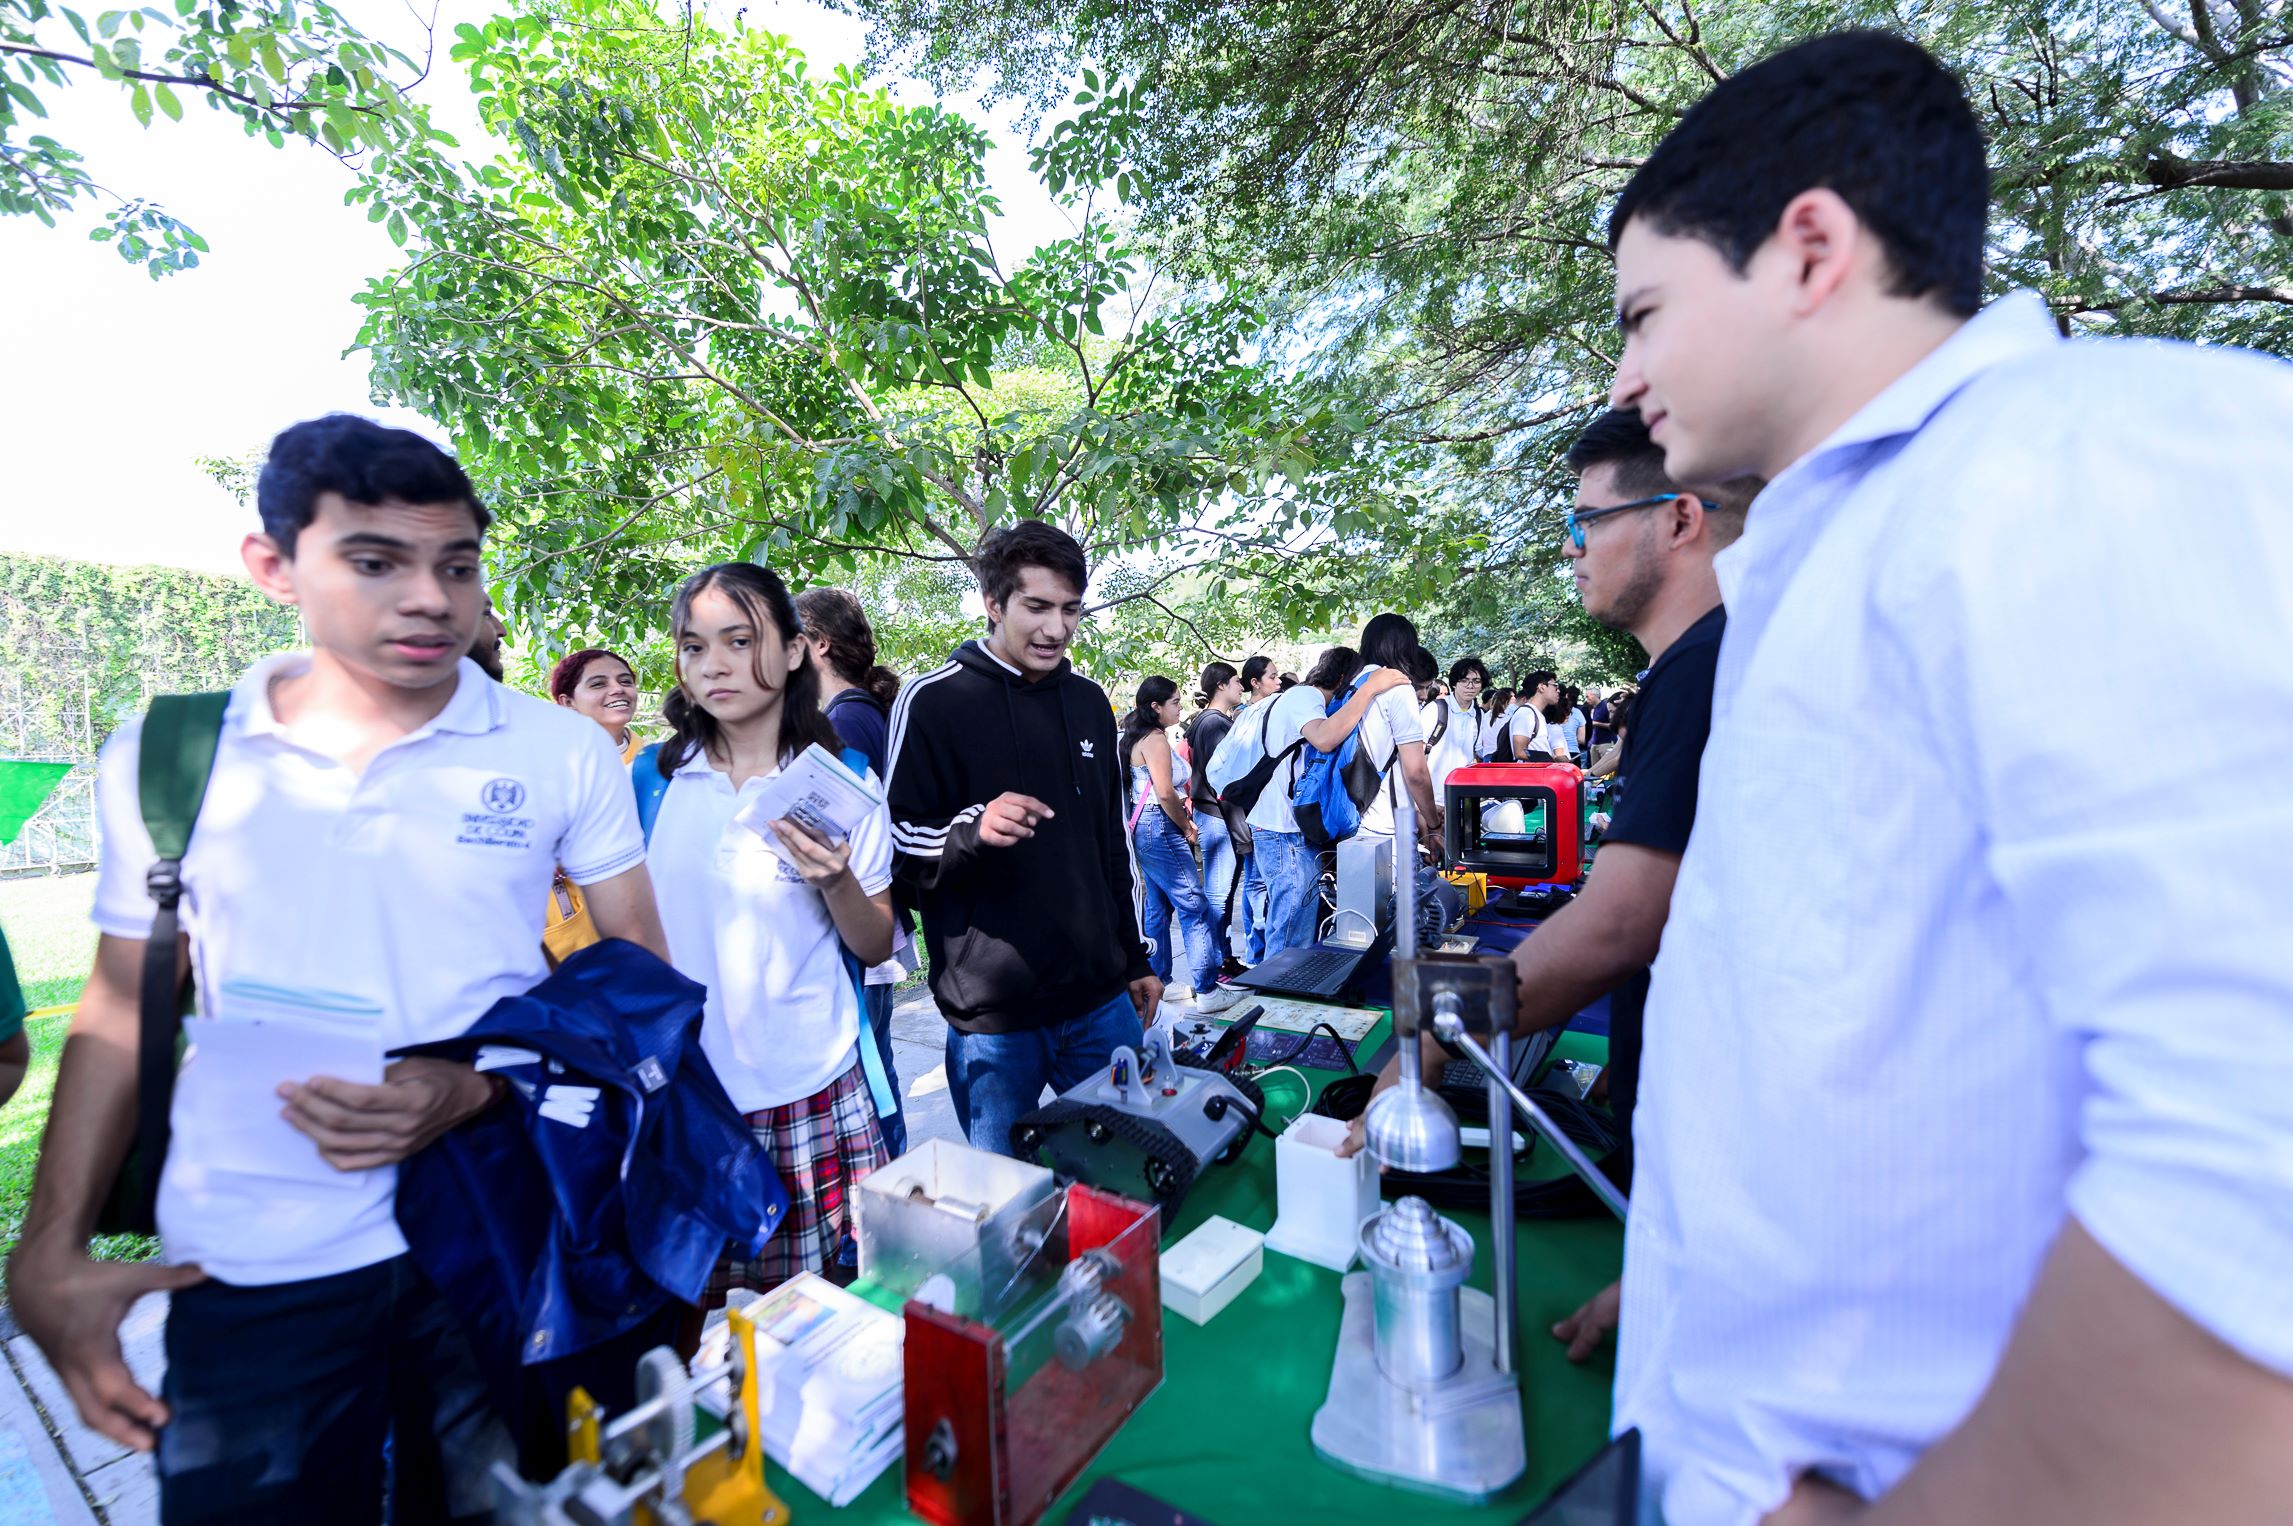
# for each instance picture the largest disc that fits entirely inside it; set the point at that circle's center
(1088, 749)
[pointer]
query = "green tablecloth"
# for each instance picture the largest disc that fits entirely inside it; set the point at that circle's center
(1226, 1435)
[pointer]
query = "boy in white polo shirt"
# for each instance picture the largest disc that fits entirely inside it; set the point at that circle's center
(381, 825)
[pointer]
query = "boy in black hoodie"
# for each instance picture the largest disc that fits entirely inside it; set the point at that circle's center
(1007, 824)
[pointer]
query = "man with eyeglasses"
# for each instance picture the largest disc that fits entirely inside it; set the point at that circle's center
(1455, 722)
(1642, 549)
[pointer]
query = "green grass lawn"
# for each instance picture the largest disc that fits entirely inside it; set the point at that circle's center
(53, 944)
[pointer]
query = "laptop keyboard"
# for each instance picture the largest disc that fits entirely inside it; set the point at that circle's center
(1323, 969)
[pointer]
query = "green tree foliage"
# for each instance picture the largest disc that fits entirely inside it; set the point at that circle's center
(84, 646)
(284, 68)
(1425, 185)
(709, 303)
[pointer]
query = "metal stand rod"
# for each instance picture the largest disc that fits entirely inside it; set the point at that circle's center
(1451, 1029)
(1405, 925)
(1501, 1207)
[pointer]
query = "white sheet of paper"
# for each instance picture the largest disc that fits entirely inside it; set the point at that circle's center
(227, 1107)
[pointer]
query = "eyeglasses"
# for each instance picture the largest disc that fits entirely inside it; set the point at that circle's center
(1575, 522)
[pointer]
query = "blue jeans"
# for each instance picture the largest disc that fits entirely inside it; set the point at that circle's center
(1167, 862)
(317, 1400)
(1252, 911)
(1293, 873)
(1220, 876)
(995, 1079)
(878, 1012)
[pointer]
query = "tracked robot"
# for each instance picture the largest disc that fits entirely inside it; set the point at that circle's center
(1152, 1121)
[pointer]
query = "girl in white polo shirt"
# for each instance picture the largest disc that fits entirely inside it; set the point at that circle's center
(766, 934)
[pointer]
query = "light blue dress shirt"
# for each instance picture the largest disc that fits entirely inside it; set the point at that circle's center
(1962, 951)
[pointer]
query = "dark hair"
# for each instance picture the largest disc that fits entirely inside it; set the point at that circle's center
(1254, 668)
(1499, 699)
(836, 617)
(1420, 666)
(363, 461)
(1140, 721)
(1537, 680)
(1334, 669)
(1619, 439)
(1465, 665)
(1215, 677)
(1029, 543)
(763, 597)
(1868, 115)
(1288, 681)
(1387, 642)
(566, 676)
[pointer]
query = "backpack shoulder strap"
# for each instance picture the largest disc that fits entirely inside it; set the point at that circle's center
(880, 1088)
(645, 778)
(1440, 727)
(173, 764)
(180, 733)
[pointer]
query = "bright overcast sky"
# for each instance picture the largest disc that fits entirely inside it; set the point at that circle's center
(112, 384)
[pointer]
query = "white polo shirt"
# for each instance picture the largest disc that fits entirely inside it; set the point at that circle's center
(1391, 720)
(782, 1019)
(418, 884)
(1460, 744)
(1919, 1002)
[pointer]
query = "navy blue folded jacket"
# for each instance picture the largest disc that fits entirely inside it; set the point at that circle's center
(605, 1185)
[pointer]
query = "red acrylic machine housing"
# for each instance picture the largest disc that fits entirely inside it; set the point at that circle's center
(1479, 839)
(1009, 1401)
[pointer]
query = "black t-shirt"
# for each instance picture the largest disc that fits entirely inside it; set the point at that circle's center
(1655, 808)
(1202, 739)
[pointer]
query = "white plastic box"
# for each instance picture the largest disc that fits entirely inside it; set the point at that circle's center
(1204, 1272)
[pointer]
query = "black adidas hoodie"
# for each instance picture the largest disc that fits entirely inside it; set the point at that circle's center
(1044, 930)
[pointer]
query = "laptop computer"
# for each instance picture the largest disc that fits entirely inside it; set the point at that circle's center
(1321, 971)
(1604, 1492)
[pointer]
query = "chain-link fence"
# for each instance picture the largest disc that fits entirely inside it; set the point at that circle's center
(61, 836)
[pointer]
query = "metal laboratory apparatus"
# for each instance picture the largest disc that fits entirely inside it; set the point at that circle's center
(1425, 1391)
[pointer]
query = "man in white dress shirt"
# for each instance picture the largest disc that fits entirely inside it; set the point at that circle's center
(1965, 1188)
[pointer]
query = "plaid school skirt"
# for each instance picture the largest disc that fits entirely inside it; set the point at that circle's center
(821, 1146)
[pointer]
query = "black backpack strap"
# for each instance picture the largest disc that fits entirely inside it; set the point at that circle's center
(180, 733)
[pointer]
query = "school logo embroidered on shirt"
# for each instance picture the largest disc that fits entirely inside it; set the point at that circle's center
(1088, 750)
(498, 825)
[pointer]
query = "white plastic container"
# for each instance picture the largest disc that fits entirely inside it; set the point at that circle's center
(1202, 1273)
(1321, 1199)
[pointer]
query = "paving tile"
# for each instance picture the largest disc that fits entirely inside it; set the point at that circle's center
(127, 1491)
(36, 1485)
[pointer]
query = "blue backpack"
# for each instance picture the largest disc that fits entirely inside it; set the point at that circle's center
(652, 789)
(1331, 788)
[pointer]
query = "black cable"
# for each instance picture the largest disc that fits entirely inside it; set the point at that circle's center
(1289, 1056)
(1467, 1186)
(1216, 1109)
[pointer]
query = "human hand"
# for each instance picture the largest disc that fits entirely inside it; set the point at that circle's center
(1010, 818)
(1817, 1502)
(359, 1127)
(1429, 828)
(1589, 1326)
(1146, 996)
(1357, 1132)
(821, 862)
(1384, 679)
(72, 1308)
